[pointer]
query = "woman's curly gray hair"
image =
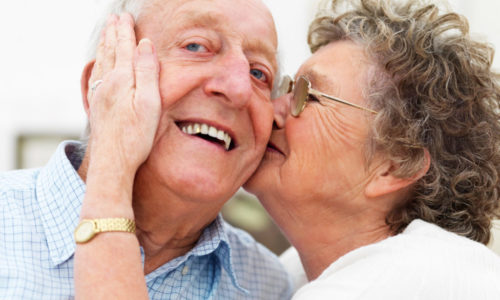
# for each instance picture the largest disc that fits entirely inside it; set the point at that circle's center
(435, 90)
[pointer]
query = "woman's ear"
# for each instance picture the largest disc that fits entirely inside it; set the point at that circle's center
(84, 84)
(384, 182)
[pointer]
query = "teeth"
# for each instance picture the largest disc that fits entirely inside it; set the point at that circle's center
(208, 130)
(220, 135)
(196, 128)
(204, 128)
(212, 132)
(227, 140)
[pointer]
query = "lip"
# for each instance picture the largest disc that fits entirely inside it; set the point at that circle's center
(273, 148)
(219, 126)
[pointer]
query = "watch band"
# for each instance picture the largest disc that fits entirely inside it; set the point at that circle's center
(88, 228)
(115, 224)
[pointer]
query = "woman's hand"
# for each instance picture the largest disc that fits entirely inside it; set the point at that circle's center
(124, 109)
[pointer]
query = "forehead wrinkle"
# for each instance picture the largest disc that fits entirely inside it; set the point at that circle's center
(194, 19)
(173, 20)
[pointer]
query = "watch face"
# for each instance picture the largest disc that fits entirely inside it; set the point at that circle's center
(84, 232)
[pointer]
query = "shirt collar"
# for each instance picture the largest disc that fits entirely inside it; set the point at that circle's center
(60, 192)
(216, 237)
(213, 241)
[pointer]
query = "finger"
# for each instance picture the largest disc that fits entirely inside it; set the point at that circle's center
(97, 67)
(101, 65)
(126, 43)
(147, 93)
(108, 61)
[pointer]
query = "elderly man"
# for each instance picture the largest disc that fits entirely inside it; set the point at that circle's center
(202, 93)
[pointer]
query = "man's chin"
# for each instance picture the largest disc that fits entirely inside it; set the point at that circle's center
(196, 185)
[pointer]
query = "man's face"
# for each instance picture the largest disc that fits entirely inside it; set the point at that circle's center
(217, 60)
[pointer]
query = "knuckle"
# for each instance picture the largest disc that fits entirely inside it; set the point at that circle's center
(124, 38)
(109, 49)
(146, 66)
(123, 69)
(120, 79)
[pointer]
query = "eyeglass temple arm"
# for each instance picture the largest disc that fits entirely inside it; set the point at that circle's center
(320, 94)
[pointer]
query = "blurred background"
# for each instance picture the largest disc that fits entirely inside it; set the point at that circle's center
(44, 46)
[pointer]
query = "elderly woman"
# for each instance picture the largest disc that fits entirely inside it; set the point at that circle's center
(383, 165)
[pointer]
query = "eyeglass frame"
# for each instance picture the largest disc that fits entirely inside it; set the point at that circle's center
(287, 80)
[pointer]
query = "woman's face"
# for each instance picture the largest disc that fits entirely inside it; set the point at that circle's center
(319, 157)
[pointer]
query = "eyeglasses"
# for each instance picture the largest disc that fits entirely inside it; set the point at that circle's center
(302, 92)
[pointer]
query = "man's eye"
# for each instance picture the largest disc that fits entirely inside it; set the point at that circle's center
(258, 74)
(195, 47)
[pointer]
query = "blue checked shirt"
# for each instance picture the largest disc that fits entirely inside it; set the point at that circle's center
(39, 210)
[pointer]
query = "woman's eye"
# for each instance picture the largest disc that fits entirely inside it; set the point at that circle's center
(195, 47)
(258, 74)
(311, 97)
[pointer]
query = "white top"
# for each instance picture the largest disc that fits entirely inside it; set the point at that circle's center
(423, 262)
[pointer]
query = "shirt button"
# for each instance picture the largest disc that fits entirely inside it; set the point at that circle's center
(185, 270)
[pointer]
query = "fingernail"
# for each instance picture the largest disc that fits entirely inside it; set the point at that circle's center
(145, 46)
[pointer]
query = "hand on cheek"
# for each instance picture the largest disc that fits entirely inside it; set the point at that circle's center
(124, 109)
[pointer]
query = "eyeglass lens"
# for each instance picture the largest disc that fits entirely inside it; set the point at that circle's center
(300, 94)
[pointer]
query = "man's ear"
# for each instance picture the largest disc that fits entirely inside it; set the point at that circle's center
(384, 181)
(84, 84)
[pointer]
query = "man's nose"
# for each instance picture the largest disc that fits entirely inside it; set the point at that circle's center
(231, 79)
(281, 107)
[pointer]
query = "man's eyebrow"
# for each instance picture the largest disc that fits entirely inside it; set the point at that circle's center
(197, 19)
(255, 45)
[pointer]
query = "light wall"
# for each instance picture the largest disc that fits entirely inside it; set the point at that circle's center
(44, 46)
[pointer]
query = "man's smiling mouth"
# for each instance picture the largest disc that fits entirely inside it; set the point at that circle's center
(209, 133)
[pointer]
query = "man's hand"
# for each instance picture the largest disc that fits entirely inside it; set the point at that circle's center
(124, 109)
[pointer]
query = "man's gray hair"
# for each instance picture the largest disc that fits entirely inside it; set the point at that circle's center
(116, 7)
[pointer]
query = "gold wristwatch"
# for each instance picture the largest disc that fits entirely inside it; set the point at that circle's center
(88, 228)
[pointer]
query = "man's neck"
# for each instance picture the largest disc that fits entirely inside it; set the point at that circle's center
(168, 226)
